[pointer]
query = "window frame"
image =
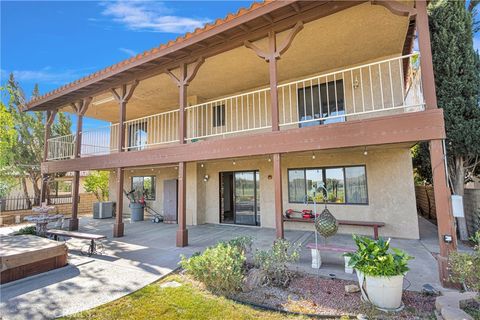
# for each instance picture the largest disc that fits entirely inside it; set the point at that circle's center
(154, 178)
(304, 169)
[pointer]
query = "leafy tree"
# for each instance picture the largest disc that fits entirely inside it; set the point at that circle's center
(22, 153)
(97, 183)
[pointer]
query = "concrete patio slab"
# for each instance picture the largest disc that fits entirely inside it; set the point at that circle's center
(148, 252)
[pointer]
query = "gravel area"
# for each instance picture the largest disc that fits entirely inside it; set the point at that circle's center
(316, 295)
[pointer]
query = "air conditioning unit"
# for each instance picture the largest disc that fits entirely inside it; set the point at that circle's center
(103, 210)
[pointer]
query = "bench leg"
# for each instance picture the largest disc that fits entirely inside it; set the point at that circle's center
(316, 259)
(348, 269)
(375, 232)
(91, 249)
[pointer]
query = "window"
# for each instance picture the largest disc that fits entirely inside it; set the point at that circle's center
(137, 135)
(144, 186)
(343, 185)
(321, 101)
(218, 115)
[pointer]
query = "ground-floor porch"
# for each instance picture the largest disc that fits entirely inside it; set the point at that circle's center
(148, 251)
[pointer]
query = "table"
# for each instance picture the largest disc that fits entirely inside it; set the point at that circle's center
(41, 222)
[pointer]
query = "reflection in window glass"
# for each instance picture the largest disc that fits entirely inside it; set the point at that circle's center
(144, 186)
(335, 185)
(296, 185)
(356, 182)
(314, 178)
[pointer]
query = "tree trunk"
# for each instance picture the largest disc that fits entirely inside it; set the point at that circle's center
(36, 189)
(459, 189)
(25, 192)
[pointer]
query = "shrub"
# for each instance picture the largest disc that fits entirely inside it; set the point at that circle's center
(97, 183)
(465, 267)
(274, 262)
(374, 258)
(243, 243)
(221, 268)
(27, 230)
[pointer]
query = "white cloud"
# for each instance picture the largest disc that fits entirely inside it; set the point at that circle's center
(149, 16)
(129, 52)
(44, 75)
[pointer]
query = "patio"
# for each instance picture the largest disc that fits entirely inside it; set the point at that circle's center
(148, 252)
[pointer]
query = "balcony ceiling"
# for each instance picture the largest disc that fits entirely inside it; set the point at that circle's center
(357, 35)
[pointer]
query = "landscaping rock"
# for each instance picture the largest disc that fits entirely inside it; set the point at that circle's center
(170, 284)
(254, 278)
(450, 313)
(453, 299)
(351, 288)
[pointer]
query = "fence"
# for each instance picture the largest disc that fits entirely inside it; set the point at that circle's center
(23, 203)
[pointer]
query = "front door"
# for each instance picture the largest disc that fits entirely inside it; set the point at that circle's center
(240, 198)
(170, 200)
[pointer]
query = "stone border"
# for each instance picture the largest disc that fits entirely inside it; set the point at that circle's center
(448, 305)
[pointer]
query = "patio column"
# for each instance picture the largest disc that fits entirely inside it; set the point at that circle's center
(48, 125)
(79, 107)
(447, 236)
(182, 81)
(122, 96)
(277, 180)
(182, 232)
(271, 56)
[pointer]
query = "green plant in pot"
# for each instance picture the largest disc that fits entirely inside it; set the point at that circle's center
(380, 270)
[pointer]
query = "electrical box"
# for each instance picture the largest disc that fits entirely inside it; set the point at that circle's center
(457, 206)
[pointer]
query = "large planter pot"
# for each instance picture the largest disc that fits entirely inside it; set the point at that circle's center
(137, 210)
(385, 292)
(103, 210)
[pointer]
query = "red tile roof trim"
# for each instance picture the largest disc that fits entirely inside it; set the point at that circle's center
(188, 35)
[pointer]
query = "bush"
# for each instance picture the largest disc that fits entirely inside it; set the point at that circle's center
(221, 268)
(465, 267)
(97, 183)
(373, 258)
(243, 243)
(274, 262)
(27, 230)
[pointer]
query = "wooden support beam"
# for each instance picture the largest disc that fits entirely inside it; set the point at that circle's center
(443, 206)
(277, 177)
(271, 55)
(182, 232)
(119, 227)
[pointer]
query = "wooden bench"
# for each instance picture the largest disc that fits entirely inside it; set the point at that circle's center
(317, 249)
(373, 224)
(92, 248)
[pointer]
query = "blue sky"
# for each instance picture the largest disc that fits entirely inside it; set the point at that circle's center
(55, 42)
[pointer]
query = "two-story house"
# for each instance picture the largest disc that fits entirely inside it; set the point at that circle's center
(266, 110)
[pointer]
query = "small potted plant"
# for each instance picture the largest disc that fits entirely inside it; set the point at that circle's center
(97, 183)
(380, 270)
(137, 204)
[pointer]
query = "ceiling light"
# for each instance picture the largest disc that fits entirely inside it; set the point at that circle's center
(102, 101)
(269, 159)
(313, 156)
(365, 152)
(202, 165)
(234, 163)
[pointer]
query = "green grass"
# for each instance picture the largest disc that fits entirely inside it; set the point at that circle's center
(185, 302)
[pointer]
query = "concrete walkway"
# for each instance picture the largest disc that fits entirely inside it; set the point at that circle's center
(148, 252)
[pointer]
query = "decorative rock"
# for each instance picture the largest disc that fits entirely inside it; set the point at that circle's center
(351, 288)
(446, 302)
(450, 313)
(254, 278)
(171, 284)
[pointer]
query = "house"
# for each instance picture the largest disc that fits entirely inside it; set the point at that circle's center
(256, 113)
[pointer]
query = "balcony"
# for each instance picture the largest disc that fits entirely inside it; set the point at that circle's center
(374, 89)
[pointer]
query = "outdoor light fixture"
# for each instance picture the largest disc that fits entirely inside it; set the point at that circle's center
(233, 162)
(365, 152)
(202, 165)
(206, 177)
(176, 168)
(269, 159)
(313, 155)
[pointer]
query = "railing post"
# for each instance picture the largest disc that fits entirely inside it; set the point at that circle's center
(122, 97)
(48, 124)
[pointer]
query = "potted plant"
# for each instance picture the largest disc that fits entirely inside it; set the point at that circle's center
(137, 204)
(97, 183)
(380, 270)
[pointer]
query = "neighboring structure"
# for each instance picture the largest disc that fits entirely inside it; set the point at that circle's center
(251, 115)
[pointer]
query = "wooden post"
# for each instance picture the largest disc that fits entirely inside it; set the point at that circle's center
(182, 232)
(79, 107)
(277, 178)
(122, 98)
(443, 206)
(271, 56)
(428, 80)
(48, 124)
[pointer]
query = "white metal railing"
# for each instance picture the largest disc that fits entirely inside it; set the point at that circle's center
(154, 130)
(99, 141)
(392, 85)
(61, 148)
(351, 94)
(235, 114)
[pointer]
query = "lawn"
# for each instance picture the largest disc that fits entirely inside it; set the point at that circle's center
(184, 302)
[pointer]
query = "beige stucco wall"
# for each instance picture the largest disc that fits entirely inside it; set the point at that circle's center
(391, 192)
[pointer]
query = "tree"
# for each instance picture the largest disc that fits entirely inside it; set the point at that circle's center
(97, 183)
(24, 152)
